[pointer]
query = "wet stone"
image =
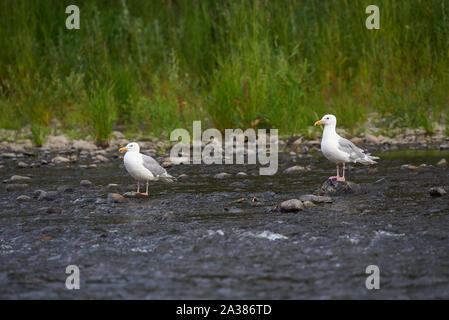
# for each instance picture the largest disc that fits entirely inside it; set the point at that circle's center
(295, 169)
(16, 178)
(182, 176)
(222, 175)
(85, 183)
(22, 164)
(241, 174)
(16, 187)
(112, 186)
(315, 199)
(49, 210)
(292, 205)
(338, 188)
(134, 194)
(442, 163)
(60, 159)
(65, 189)
(23, 198)
(437, 191)
(48, 195)
(116, 198)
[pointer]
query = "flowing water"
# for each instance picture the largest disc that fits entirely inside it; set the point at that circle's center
(193, 240)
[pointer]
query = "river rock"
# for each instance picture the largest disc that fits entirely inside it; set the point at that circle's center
(16, 186)
(292, 205)
(23, 198)
(315, 199)
(222, 175)
(8, 155)
(85, 183)
(112, 186)
(437, 191)
(410, 167)
(295, 169)
(182, 176)
(22, 164)
(16, 178)
(444, 147)
(102, 158)
(337, 188)
(48, 195)
(372, 139)
(241, 174)
(57, 143)
(60, 159)
(309, 204)
(84, 145)
(442, 163)
(49, 210)
(116, 198)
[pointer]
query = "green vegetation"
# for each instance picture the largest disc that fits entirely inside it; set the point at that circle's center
(151, 66)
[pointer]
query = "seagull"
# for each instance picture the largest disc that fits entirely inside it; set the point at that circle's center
(142, 167)
(340, 150)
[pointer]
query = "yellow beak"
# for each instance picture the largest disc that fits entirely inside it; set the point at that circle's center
(122, 149)
(318, 122)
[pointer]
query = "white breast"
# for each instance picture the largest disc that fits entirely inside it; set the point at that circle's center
(329, 148)
(134, 165)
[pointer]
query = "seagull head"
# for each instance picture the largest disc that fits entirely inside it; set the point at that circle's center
(132, 146)
(328, 119)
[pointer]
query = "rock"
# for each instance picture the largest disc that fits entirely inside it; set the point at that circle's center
(357, 140)
(60, 159)
(23, 198)
(292, 205)
(112, 186)
(85, 183)
(337, 188)
(84, 145)
(65, 189)
(116, 198)
(372, 139)
(409, 167)
(22, 164)
(295, 169)
(57, 143)
(437, 191)
(133, 194)
(166, 164)
(16, 187)
(49, 195)
(44, 162)
(8, 155)
(182, 176)
(102, 158)
(222, 175)
(309, 204)
(241, 174)
(442, 163)
(16, 178)
(315, 199)
(38, 193)
(444, 147)
(91, 166)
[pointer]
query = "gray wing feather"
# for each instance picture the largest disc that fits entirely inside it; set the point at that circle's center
(355, 153)
(153, 166)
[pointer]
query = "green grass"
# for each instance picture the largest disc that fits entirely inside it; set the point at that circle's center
(153, 66)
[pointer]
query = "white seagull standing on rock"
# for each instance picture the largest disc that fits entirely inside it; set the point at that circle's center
(338, 149)
(142, 167)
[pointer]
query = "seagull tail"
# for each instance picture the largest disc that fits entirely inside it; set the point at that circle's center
(167, 178)
(368, 159)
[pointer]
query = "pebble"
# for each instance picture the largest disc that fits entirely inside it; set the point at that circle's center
(102, 158)
(241, 174)
(8, 155)
(48, 195)
(409, 167)
(309, 204)
(315, 199)
(444, 147)
(133, 194)
(116, 198)
(442, 163)
(85, 183)
(337, 188)
(23, 198)
(16, 178)
(437, 191)
(60, 159)
(16, 186)
(65, 189)
(295, 169)
(292, 205)
(182, 176)
(372, 139)
(112, 186)
(22, 164)
(222, 175)
(49, 210)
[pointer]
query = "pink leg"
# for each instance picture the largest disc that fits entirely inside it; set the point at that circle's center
(146, 193)
(138, 186)
(338, 174)
(342, 178)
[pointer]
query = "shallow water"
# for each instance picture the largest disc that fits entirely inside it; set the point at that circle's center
(191, 240)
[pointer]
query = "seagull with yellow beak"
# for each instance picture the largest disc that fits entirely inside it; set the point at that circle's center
(340, 150)
(142, 167)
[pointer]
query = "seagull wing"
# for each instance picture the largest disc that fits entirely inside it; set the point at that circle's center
(154, 167)
(355, 153)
